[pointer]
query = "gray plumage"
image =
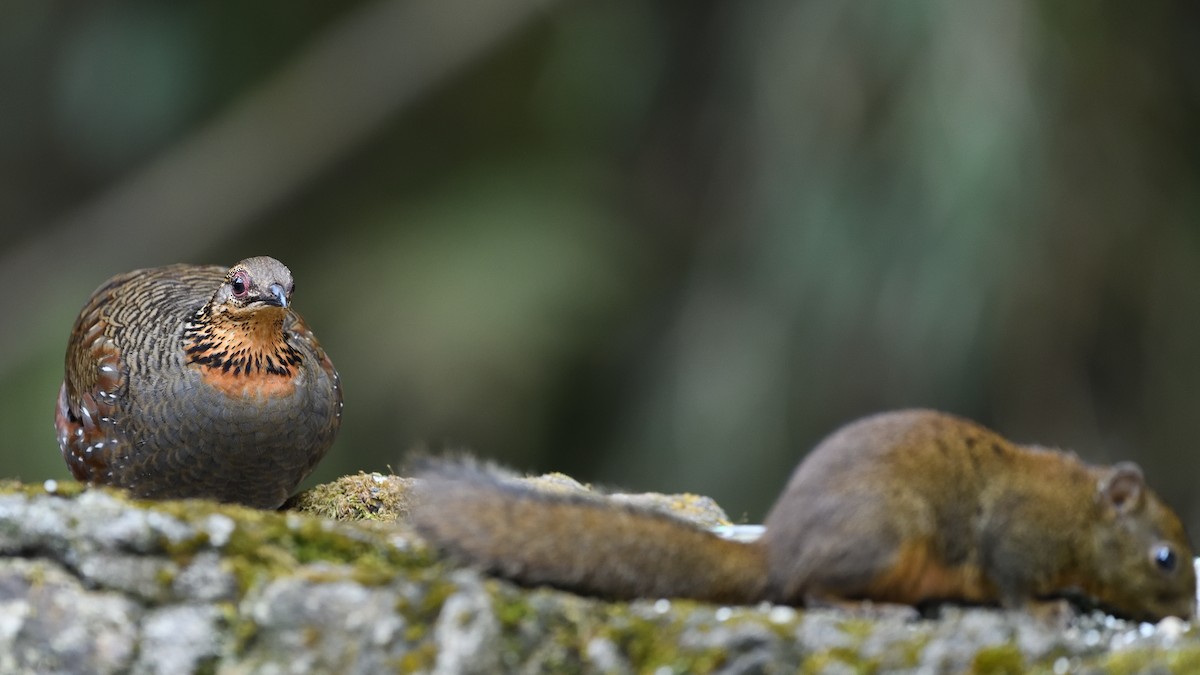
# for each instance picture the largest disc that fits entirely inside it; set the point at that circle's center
(197, 381)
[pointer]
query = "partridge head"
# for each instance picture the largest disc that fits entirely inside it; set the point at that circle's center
(197, 381)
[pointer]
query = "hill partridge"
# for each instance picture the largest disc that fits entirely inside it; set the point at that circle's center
(197, 381)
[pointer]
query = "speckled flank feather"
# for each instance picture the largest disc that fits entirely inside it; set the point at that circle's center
(176, 387)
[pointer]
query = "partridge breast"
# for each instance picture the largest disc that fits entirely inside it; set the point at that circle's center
(192, 381)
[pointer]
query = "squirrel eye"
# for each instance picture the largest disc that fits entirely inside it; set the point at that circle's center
(239, 285)
(1165, 558)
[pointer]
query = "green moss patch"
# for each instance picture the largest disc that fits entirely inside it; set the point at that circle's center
(363, 496)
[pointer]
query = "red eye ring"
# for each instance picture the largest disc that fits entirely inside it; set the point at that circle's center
(240, 284)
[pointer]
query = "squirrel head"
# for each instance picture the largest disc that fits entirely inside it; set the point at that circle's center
(1144, 562)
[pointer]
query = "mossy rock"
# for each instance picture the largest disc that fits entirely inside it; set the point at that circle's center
(91, 581)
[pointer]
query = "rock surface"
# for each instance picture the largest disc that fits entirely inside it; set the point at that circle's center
(93, 582)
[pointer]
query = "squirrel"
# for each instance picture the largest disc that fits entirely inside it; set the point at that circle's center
(915, 507)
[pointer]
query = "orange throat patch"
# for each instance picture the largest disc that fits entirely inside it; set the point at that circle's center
(243, 353)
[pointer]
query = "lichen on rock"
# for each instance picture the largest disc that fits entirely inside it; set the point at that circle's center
(362, 496)
(91, 581)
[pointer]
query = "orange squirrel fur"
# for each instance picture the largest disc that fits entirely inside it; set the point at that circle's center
(910, 507)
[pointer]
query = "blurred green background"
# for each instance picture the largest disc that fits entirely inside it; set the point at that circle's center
(659, 246)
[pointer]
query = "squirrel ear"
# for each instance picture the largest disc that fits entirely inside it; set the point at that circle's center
(1123, 486)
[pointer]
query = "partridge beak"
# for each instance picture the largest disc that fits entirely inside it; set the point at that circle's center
(280, 295)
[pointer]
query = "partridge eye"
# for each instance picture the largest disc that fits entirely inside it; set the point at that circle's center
(1165, 558)
(239, 285)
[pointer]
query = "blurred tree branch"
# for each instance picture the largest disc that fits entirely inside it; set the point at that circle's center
(265, 148)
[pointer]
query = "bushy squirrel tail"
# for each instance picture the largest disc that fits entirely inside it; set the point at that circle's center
(584, 544)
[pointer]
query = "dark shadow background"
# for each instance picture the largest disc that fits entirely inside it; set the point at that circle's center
(663, 246)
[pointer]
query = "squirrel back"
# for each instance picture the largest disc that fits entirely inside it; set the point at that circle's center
(913, 506)
(919, 506)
